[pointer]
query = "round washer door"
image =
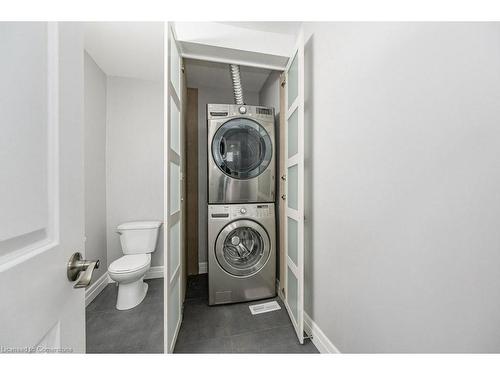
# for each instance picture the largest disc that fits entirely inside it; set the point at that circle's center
(242, 148)
(242, 248)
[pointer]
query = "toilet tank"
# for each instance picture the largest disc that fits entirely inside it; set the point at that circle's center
(139, 237)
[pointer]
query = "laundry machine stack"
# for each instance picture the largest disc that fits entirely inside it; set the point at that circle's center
(241, 209)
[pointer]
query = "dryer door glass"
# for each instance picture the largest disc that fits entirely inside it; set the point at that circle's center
(242, 148)
(243, 248)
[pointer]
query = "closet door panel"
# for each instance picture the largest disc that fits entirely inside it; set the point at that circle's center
(293, 199)
(174, 202)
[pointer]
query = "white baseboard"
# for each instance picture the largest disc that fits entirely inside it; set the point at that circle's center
(96, 288)
(155, 272)
(319, 339)
(203, 267)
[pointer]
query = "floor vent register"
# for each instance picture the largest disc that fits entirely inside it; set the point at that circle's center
(264, 307)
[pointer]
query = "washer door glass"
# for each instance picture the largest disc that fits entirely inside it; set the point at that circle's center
(242, 248)
(242, 148)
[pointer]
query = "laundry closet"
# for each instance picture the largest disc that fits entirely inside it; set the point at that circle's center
(234, 169)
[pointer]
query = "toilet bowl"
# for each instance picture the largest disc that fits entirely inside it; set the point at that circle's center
(128, 271)
(138, 240)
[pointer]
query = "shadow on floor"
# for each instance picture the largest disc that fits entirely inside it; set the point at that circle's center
(232, 328)
(138, 330)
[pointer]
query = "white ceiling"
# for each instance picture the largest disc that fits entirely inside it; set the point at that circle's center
(272, 27)
(238, 43)
(216, 75)
(135, 49)
(127, 49)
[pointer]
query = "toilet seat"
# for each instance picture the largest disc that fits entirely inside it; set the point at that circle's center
(130, 263)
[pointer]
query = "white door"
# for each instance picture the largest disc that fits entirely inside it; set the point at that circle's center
(41, 186)
(174, 189)
(294, 196)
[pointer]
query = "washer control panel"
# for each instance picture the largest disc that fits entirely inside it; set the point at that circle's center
(256, 211)
(236, 211)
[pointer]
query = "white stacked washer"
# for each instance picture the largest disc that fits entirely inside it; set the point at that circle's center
(241, 212)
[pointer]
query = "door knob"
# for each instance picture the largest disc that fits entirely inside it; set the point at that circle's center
(80, 270)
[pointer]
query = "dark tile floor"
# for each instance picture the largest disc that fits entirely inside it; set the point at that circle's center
(138, 330)
(232, 328)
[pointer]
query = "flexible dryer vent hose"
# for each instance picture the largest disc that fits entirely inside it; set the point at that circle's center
(237, 89)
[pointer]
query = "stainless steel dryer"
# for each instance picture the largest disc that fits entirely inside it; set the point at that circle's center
(241, 253)
(241, 154)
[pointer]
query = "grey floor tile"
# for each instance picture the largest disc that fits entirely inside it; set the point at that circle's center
(291, 348)
(155, 291)
(253, 342)
(232, 328)
(118, 329)
(217, 345)
(138, 330)
(105, 301)
(153, 343)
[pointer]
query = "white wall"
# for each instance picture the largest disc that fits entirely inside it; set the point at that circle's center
(95, 164)
(208, 95)
(404, 202)
(134, 157)
(269, 94)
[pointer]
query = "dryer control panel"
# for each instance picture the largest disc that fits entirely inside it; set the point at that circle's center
(217, 111)
(236, 211)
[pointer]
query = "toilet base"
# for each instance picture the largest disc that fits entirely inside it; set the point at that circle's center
(131, 294)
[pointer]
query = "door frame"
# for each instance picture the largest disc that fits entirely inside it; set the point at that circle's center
(282, 189)
(282, 186)
(192, 170)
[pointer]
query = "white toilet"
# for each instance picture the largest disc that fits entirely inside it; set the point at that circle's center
(138, 240)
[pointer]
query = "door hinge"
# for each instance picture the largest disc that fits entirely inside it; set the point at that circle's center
(283, 83)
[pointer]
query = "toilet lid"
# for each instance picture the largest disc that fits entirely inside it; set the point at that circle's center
(129, 263)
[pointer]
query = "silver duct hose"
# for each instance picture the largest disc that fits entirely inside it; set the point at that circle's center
(237, 89)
